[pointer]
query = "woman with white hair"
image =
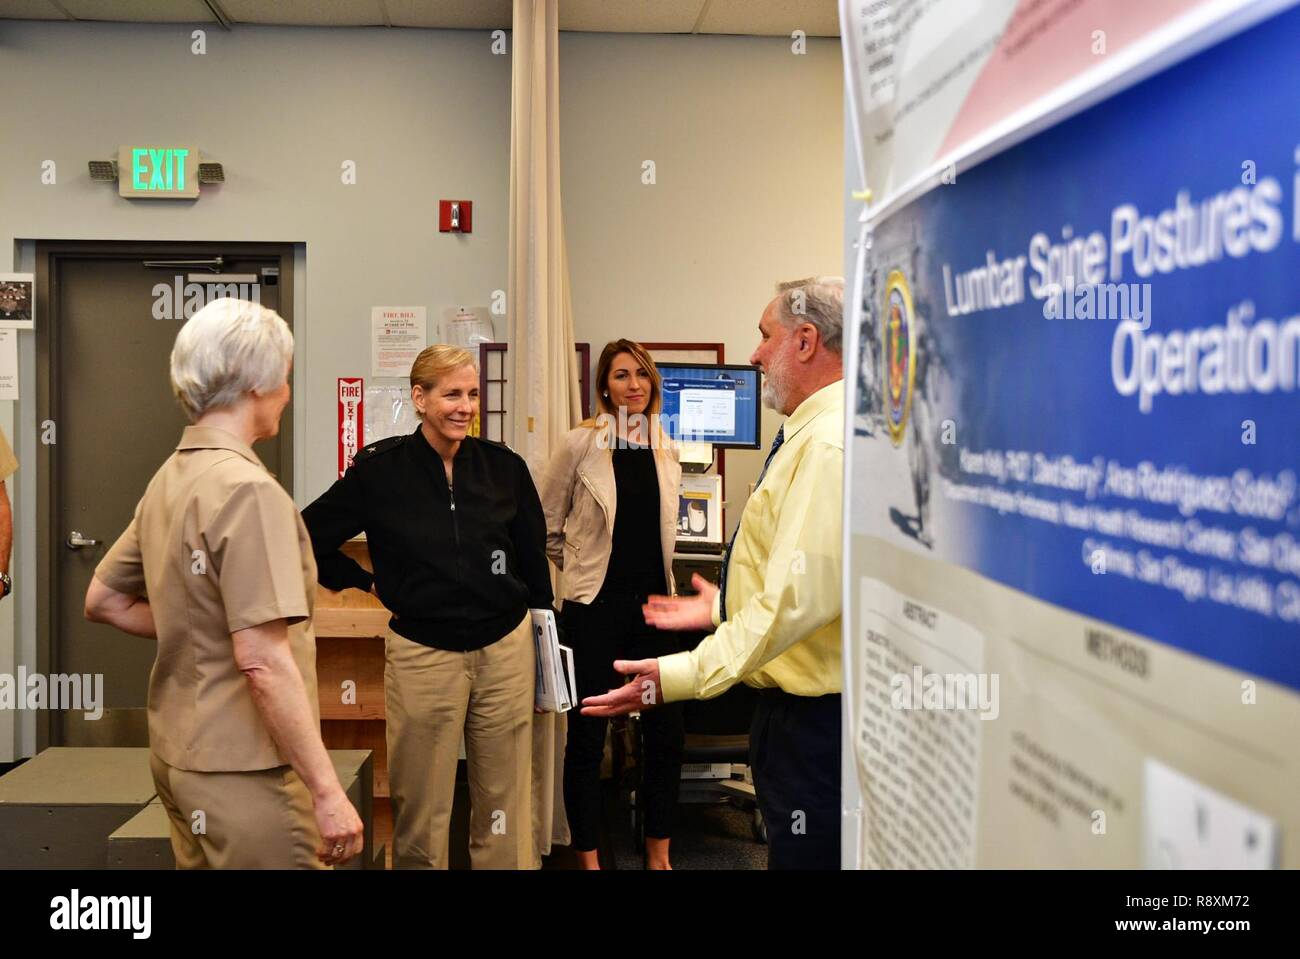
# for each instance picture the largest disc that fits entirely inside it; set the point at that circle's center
(217, 566)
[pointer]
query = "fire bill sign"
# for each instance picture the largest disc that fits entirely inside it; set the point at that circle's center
(351, 417)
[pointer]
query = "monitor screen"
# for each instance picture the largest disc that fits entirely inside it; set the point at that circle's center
(712, 404)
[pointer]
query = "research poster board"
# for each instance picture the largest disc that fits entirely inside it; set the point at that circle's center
(931, 80)
(1072, 587)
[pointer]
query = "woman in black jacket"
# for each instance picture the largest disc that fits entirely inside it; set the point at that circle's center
(457, 539)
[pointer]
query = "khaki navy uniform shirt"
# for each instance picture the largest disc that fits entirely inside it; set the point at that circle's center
(217, 546)
(8, 462)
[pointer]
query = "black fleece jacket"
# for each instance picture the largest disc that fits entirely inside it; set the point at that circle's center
(457, 565)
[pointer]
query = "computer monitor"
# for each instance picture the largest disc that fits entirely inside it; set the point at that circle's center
(712, 404)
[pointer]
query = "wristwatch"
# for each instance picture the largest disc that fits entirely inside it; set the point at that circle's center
(7, 583)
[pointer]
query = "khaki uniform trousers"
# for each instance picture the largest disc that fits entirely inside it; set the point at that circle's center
(432, 696)
(262, 819)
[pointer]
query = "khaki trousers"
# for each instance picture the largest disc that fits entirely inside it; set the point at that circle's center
(238, 820)
(432, 697)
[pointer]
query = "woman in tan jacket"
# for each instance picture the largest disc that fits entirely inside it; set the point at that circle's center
(610, 498)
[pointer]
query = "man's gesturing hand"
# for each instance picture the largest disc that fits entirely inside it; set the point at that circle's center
(639, 694)
(683, 612)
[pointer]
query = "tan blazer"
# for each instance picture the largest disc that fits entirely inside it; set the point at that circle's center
(579, 498)
(218, 546)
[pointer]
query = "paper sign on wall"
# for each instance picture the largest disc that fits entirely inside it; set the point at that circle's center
(8, 365)
(467, 326)
(397, 335)
(351, 417)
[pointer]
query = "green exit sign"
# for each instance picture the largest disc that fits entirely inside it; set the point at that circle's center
(158, 172)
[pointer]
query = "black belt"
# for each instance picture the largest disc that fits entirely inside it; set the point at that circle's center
(777, 693)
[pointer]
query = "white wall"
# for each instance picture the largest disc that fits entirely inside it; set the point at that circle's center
(747, 139)
(746, 135)
(424, 114)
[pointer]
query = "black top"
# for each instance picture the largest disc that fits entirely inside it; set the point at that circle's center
(636, 562)
(458, 566)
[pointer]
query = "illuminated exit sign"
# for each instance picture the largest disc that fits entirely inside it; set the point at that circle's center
(158, 172)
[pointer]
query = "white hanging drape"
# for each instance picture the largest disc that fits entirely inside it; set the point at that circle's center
(544, 365)
(544, 371)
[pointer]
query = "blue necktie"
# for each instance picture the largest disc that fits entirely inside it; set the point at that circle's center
(726, 557)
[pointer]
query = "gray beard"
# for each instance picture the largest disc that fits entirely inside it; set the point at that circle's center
(773, 393)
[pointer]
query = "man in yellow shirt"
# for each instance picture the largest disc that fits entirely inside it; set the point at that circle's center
(777, 614)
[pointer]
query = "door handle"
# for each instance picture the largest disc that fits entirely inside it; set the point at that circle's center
(76, 540)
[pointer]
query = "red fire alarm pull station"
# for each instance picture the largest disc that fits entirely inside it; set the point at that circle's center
(454, 216)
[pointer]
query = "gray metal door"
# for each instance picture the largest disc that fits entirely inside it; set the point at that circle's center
(103, 349)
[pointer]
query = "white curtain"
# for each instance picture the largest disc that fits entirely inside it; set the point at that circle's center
(544, 365)
(544, 370)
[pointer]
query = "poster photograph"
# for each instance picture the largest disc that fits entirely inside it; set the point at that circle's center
(17, 301)
(699, 509)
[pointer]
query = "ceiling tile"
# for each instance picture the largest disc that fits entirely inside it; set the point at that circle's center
(630, 16)
(774, 18)
(818, 18)
(315, 13)
(454, 15)
(30, 10)
(140, 11)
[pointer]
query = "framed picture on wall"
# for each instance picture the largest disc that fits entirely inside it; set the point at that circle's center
(699, 511)
(17, 302)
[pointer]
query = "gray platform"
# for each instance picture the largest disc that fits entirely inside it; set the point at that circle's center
(58, 809)
(143, 841)
(356, 772)
(88, 808)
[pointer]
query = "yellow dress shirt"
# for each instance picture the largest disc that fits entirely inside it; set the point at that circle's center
(783, 581)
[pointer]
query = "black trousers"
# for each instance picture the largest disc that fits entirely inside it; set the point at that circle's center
(794, 756)
(613, 627)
